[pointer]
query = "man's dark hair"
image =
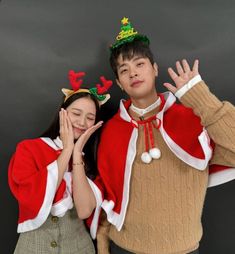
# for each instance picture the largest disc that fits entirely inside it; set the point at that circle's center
(128, 51)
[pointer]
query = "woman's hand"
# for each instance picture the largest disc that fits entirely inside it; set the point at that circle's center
(80, 143)
(67, 138)
(66, 130)
(185, 74)
(83, 196)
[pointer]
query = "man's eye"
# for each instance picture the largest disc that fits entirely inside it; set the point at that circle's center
(123, 71)
(140, 64)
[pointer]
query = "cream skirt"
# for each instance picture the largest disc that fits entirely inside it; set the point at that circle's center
(58, 235)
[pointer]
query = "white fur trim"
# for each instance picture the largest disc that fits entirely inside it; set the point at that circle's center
(221, 177)
(52, 178)
(56, 145)
(123, 112)
(143, 111)
(170, 99)
(184, 89)
(98, 197)
(58, 142)
(62, 206)
(200, 164)
(113, 217)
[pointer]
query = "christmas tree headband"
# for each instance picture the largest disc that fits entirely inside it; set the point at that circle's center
(98, 91)
(128, 34)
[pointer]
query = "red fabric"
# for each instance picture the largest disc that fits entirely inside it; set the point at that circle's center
(148, 132)
(27, 176)
(60, 192)
(146, 138)
(178, 122)
(217, 168)
(184, 127)
(150, 127)
(89, 220)
(112, 157)
(100, 185)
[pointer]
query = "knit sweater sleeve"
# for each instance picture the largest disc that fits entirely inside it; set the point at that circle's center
(103, 235)
(218, 117)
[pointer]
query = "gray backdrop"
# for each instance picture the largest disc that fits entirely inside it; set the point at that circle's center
(41, 40)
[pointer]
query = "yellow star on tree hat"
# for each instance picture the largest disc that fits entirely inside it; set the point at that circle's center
(128, 34)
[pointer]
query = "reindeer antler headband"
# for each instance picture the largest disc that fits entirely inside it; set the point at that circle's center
(98, 91)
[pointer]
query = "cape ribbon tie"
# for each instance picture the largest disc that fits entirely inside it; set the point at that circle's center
(151, 151)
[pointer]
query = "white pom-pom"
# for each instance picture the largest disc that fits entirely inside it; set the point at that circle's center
(155, 153)
(145, 157)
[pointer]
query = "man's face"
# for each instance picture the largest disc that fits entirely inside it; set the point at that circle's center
(136, 76)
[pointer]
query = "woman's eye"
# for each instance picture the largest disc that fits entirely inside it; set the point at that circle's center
(76, 114)
(140, 64)
(123, 71)
(91, 119)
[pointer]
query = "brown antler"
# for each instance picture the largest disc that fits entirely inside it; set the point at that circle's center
(74, 79)
(106, 85)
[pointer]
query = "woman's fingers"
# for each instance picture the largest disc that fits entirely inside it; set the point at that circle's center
(61, 116)
(65, 122)
(92, 129)
(68, 122)
(66, 129)
(86, 135)
(98, 125)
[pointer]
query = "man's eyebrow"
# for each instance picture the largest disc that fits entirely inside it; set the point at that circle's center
(121, 65)
(137, 58)
(134, 59)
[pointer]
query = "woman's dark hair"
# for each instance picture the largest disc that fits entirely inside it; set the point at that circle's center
(128, 51)
(90, 149)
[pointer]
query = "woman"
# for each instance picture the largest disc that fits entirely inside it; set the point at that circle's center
(48, 175)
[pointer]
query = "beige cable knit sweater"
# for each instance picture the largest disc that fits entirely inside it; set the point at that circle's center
(167, 195)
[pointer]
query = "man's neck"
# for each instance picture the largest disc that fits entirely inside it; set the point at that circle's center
(144, 102)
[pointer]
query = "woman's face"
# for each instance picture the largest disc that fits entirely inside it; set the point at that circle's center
(82, 114)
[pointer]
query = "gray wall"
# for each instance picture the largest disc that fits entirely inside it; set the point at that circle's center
(41, 40)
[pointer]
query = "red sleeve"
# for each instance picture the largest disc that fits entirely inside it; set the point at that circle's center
(28, 180)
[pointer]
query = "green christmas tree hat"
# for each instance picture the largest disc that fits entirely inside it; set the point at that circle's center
(128, 34)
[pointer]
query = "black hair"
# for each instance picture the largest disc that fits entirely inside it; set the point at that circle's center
(128, 51)
(90, 149)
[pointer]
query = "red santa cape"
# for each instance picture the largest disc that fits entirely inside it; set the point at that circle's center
(182, 132)
(33, 175)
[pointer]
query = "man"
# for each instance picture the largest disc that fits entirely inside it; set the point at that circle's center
(155, 155)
